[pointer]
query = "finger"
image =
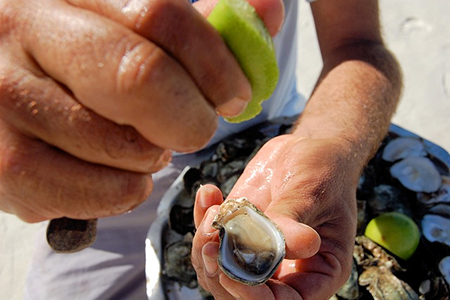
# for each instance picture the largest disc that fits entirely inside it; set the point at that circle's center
(210, 254)
(240, 291)
(302, 241)
(186, 35)
(205, 7)
(211, 273)
(204, 251)
(121, 76)
(40, 182)
(283, 291)
(43, 109)
(270, 11)
(207, 196)
(315, 278)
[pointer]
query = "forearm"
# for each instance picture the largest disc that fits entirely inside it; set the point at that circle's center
(354, 99)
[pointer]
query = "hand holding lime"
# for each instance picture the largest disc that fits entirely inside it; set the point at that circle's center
(248, 38)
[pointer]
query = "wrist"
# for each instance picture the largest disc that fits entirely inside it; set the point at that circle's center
(351, 149)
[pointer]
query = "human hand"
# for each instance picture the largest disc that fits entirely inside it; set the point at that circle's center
(95, 94)
(307, 187)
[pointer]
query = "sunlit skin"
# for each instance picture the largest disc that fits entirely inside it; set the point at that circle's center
(306, 181)
(96, 94)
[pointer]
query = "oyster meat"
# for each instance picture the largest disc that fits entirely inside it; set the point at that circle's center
(251, 245)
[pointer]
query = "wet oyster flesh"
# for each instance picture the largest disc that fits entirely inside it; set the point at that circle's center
(251, 245)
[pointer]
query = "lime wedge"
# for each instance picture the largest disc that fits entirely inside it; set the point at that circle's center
(396, 232)
(248, 39)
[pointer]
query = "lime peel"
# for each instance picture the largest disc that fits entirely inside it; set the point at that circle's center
(247, 37)
(396, 232)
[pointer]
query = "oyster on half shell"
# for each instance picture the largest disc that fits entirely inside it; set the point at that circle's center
(251, 245)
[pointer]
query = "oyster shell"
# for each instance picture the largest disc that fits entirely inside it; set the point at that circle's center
(403, 147)
(440, 209)
(418, 174)
(436, 229)
(444, 267)
(382, 284)
(441, 196)
(179, 266)
(251, 245)
(350, 290)
(378, 268)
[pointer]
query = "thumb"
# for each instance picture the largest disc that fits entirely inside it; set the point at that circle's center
(302, 241)
(270, 11)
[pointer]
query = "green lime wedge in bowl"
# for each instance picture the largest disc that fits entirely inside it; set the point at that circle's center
(396, 232)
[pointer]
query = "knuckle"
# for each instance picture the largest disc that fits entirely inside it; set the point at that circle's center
(127, 149)
(149, 17)
(7, 86)
(135, 11)
(140, 62)
(12, 165)
(153, 15)
(15, 185)
(14, 88)
(8, 13)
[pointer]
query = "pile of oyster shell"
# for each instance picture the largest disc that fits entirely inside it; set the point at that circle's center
(407, 175)
(411, 176)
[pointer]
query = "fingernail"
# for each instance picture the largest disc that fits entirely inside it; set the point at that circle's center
(207, 223)
(232, 108)
(209, 254)
(204, 196)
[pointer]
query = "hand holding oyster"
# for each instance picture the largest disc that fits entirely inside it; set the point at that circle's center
(274, 183)
(301, 271)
